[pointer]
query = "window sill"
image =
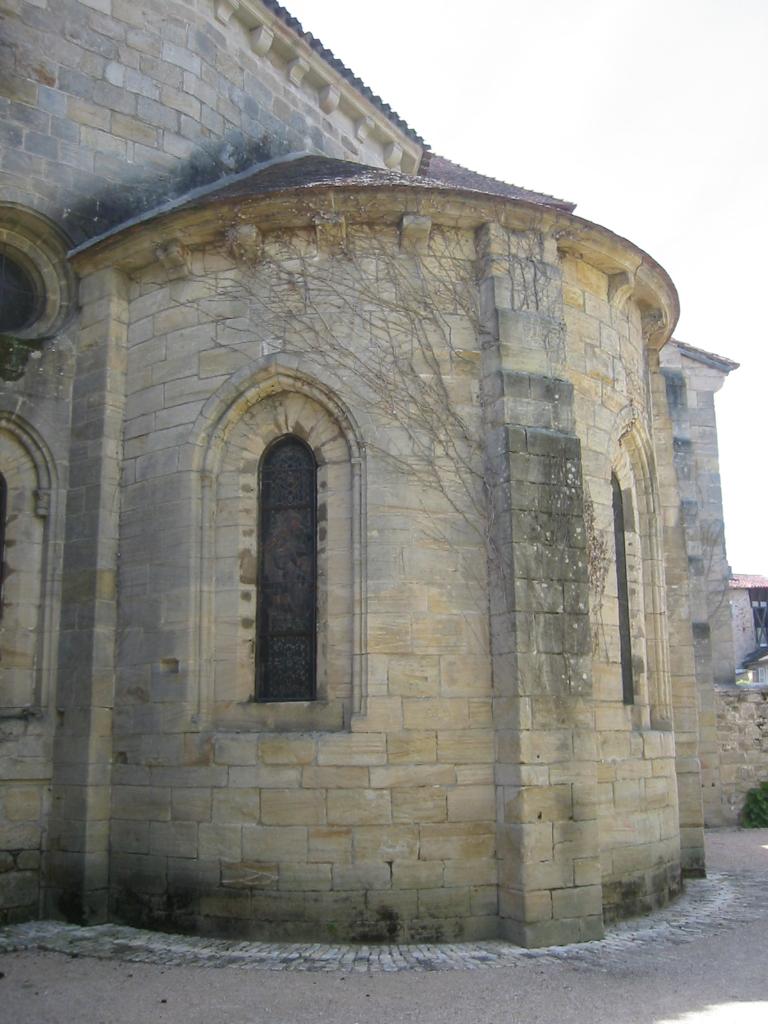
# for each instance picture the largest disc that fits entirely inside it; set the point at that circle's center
(276, 716)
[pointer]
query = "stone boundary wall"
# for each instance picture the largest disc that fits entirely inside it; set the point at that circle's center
(742, 732)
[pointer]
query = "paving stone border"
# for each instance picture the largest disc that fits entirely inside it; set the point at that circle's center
(721, 900)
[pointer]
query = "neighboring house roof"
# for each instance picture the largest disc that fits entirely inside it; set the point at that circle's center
(314, 43)
(755, 658)
(741, 582)
(708, 358)
(310, 171)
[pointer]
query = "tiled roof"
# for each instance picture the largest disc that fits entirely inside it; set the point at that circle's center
(710, 358)
(301, 170)
(741, 582)
(439, 168)
(314, 43)
(309, 171)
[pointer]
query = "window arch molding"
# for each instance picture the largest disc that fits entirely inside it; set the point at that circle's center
(37, 249)
(236, 426)
(634, 468)
(32, 592)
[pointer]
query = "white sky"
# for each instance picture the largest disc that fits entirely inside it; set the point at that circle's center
(651, 115)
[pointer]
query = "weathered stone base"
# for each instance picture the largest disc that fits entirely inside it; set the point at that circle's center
(378, 917)
(642, 893)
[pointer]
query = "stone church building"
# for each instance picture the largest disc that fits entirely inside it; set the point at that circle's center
(362, 559)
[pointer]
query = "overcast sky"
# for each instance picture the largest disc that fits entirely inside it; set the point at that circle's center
(651, 115)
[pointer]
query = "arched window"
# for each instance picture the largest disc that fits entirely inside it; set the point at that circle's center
(625, 641)
(287, 581)
(27, 581)
(253, 674)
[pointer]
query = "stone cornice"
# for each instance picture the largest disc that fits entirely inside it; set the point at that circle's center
(633, 275)
(305, 68)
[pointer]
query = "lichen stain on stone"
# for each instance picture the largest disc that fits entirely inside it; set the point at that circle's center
(248, 567)
(42, 74)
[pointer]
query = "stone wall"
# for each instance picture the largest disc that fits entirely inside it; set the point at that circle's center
(105, 93)
(369, 813)
(637, 782)
(108, 106)
(742, 733)
(414, 799)
(34, 458)
(469, 372)
(692, 379)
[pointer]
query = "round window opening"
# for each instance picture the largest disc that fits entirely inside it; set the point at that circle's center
(18, 295)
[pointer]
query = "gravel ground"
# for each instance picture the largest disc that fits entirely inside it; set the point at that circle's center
(700, 962)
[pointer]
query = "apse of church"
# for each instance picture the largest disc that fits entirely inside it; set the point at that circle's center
(346, 592)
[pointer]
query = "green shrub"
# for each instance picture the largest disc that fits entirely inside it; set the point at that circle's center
(754, 814)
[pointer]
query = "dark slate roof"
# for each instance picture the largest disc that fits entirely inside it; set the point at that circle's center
(310, 171)
(314, 43)
(708, 358)
(439, 168)
(301, 170)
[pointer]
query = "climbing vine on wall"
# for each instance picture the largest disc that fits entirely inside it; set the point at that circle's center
(598, 562)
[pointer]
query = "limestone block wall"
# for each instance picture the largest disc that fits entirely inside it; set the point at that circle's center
(114, 92)
(742, 734)
(469, 374)
(369, 813)
(637, 783)
(692, 379)
(31, 436)
(549, 888)
(107, 107)
(35, 389)
(24, 751)
(444, 783)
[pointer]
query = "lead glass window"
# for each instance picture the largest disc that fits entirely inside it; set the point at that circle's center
(18, 296)
(287, 583)
(625, 641)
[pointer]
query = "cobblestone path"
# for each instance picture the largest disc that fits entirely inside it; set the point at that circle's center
(719, 901)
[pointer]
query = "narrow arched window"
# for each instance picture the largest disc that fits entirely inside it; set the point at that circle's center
(625, 640)
(3, 515)
(287, 579)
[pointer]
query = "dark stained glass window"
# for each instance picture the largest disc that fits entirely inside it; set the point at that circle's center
(18, 299)
(627, 681)
(287, 594)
